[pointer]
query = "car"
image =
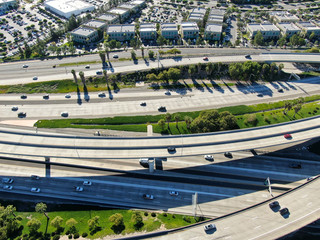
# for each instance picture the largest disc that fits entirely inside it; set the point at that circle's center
(295, 165)
(64, 114)
(22, 114)
(209, 227)
(35, 190)
(171, 149)
(78, 189)
(87, 183)
(173, 193)
(101, 95)
(46, 96)
(87, 67)
(247, 56)
(284, 211)
(7, 180)
(148, 196)
(14, 108)
(67, 96)
(205, 59)
(35, 177)
(280, 90)
(228, 154)
(99, 72)
(162, 108)
(7, 187)
(310, 178)
(23, 96)
(259, 95)
(115, 56)
(167, 93)
(208, 157)
(25, 66)
(35, 78)
(274, 204)
(54, 66)
(143, 104)
(287, 136)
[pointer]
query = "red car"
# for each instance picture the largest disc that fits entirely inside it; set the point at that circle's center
(287, 136)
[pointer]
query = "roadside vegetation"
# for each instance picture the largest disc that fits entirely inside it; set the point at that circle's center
(234, 117)
(90, 224)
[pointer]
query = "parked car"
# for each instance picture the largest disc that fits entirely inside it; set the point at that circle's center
(87, 183)
(167, 93)
(280, 90)
(25, 66)
(101, 95)
(284, 211)
(247, 56)
(148, 196)
(208, 157)
(260, 95)
(87, 67)
(23, 96)
(35, 190)
(46, 96)
(209, 227)
(99, 72)
(274, 204)
(205, 59)
(174, 193)
(7, 180)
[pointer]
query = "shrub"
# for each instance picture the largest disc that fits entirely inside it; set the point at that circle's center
(173, 216)
(84, 234)
(56, 237)
(164, 214)
(187, 219)
(153, 214)
(76, 235)
(70, 236)
(67, 232)
(146, 214)
(252, 119)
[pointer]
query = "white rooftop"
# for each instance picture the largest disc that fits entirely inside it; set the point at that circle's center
(217, 12)
(107, 17)
(169, 27)
(288, 26)
(83, 31)
(263, 27)
(7, 1)
(148, 27)
(137, 2)
(121, 28)
(119, 11)
(95, 23)
(189, 26)
(212, 27)
(127, 6)
(67, 6)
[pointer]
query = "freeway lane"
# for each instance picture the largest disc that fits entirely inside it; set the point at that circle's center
(25, 142)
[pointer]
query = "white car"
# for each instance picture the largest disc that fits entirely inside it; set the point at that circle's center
(67, 96)
(7, 180)
(87, 183)
(25, 66)
(36, 190)
(79, 189)
(174, 193)
(115, 56)
(64, 114)
(208, 157)
(7, 187)
(35, 78)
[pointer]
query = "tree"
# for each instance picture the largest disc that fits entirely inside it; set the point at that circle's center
(27, 50)
(81, 74)
(33, 225)
(287, 106)
(280, 67)
(176, 118)
(56, 222)
(102, 55)
(151, 54)
(168, 117)
(296, 109)
(174, 73)
(188, 120)
(74, 76)
(209, 68)
(71, 223)
(117, 219)
(258, 39)
(41, 208)
(94, 224)
(113, 44)
(161, 123)
(294, 40)
(142, 51)
(137, 220)
(133, 55)
(192, 70)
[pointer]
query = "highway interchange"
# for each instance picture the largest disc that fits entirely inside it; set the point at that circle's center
(112, 164)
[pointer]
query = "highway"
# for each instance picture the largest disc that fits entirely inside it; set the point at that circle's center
(13, 73)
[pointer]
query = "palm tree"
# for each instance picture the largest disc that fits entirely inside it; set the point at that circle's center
(142, 51)
(177, 118)
(41, 208)
(81, 74)
(188, 121)
(74, 76)
(209, 68)
(168, 118)
(280, 67)
(288, 106)
(296, 108)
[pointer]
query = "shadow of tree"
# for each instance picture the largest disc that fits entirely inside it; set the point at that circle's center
(79, 101)
(118, 229)
(86, 94)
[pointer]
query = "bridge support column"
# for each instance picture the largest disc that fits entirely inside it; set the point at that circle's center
(194, 204)
(151, 165)
(47, 160)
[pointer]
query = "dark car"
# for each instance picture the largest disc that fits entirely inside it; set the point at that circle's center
(280, 90)
(228, 154)
(247, 56)
(171, 149)
(284, 211)
(46, 96)
(162, 109)
(295, 165)
(22, 114)
(274, 204)
(23, 96)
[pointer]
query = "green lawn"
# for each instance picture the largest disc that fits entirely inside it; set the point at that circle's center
(150, 223)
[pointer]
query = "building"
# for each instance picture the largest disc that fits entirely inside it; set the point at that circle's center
(269, 31)
(7, 4)
(67, 8)
(122, 13)
(121, 32)
(84, 35)
(130, 7)
(189, 30)
(288, 29)
(96, 24)
(216, 16)
(148, 31)
(197, 15)
(169, 30)
(285, 18)
(309, 28)
(140, 3)
(213, 32)
(109, 18)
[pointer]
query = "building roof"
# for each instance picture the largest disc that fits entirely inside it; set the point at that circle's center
(199, 10)
(217, 12)
(308, 26)
(127, 6)
(7, 1)
(263, 27)
(118, 11)
(121, 28)
(288, 26)
(189, 26)
(214, 18)
(169, 27)
(83, 31)
(148, 27)
(212, 27)
(107, 17)
(67, 6)
(137, 2)
(286, 17)
(95, 24)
